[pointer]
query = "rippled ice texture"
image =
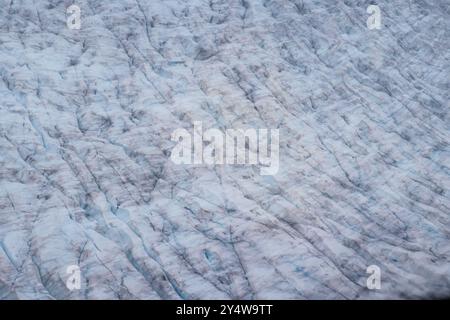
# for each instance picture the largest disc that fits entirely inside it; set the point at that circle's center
(86, 177)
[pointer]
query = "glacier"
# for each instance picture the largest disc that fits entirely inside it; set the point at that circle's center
(86, 177)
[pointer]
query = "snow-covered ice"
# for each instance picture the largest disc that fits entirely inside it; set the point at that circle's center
(85, 143)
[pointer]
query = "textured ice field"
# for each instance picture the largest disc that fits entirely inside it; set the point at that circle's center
(86, 178)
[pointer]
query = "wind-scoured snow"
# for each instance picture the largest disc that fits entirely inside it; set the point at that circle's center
(85, 141)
